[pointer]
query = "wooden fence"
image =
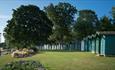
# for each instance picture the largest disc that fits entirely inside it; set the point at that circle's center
(61, 47)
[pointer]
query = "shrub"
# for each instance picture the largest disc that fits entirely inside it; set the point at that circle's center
(34, 49)
(23, 65)
(23, 53)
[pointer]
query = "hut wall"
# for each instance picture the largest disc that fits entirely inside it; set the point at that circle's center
(97, 45)
(89, 44)
(93, 46)
(82, 45)
(102, 46)
(110, 45)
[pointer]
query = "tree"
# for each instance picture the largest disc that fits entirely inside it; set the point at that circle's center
(105, 24)
(113, 18)
(2, 45)
(28, 27)
(113, 12)
(62, 16)
(86, 24)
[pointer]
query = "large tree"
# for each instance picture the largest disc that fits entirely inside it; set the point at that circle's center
(62, 16)
(105, 24)
(113, 17)
(113, 12)
(28, 27)
(86, 24)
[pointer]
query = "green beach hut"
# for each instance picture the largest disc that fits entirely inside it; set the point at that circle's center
(105, 42)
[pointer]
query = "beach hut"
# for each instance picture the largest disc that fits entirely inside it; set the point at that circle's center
(105, 43)
(97, 45)
(86, 44)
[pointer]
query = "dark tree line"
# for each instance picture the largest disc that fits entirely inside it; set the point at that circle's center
(31, 26)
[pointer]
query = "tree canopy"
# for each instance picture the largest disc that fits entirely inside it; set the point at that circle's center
(29, 26)
(105, 24)
(113, 12)
(86, 24)
(62, 16)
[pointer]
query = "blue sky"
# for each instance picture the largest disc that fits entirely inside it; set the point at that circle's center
(101, 7)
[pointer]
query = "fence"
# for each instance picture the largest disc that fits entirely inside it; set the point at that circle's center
(61, 47)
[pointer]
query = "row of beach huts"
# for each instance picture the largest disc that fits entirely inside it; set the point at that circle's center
(101, 43)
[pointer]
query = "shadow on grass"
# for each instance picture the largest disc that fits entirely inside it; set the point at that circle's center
(59, 51)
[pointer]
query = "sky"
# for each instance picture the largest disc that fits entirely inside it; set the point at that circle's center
(101, 7)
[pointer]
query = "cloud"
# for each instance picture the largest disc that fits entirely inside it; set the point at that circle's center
(4, 17)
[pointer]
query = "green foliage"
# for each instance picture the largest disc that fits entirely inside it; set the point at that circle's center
(2, 45)
(23, 65)
(113, 12)
(86, 24)
(105, 24)
(62, 16)
(29, 26)
(113, 15)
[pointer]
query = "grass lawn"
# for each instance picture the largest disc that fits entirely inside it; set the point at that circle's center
(68, 61)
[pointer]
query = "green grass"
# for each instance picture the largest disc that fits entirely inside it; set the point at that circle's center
(68, 61)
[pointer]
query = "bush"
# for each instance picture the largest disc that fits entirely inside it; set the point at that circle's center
(2, 45)
(34, 49)
(23, 65)
(23, 53)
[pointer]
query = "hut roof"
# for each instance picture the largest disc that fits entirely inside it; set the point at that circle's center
(106, 32)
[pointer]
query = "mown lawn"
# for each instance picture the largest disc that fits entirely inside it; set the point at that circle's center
(68, 61)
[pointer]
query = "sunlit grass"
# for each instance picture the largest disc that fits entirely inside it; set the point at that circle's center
(68, 61)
